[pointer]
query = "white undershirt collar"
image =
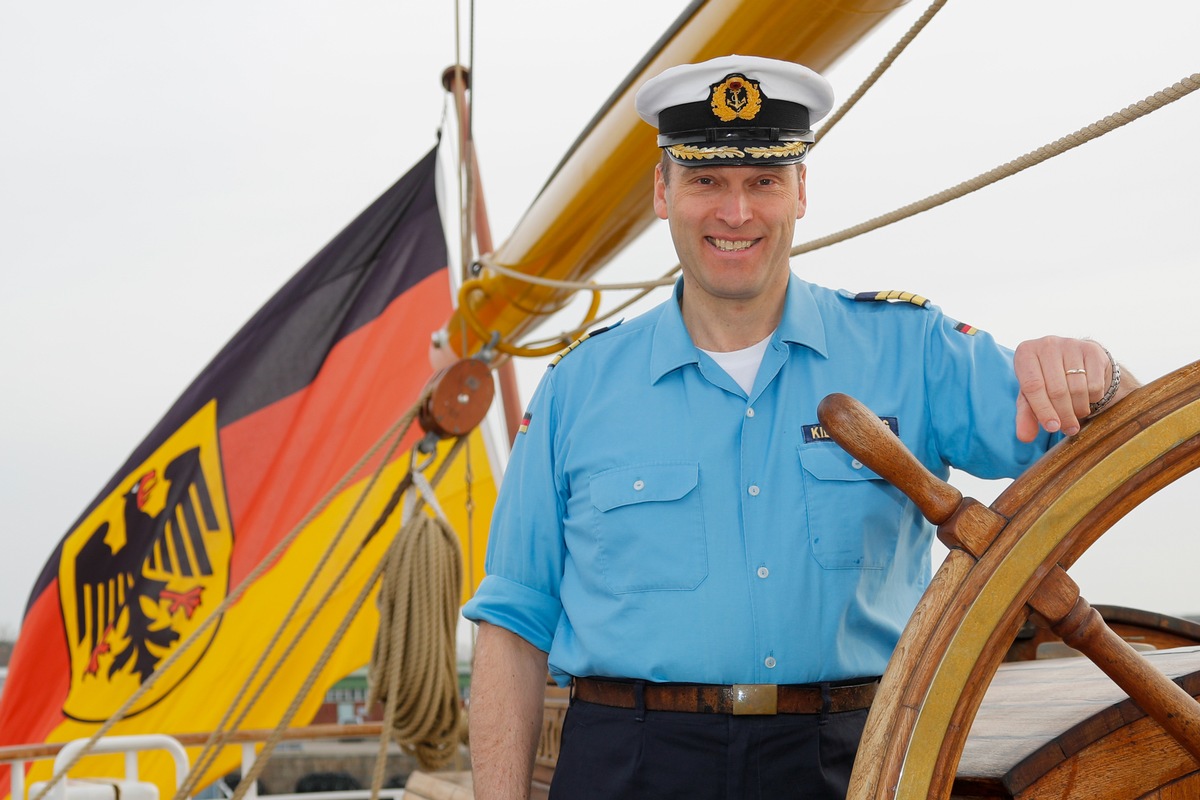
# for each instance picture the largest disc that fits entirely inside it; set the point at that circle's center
(742, 365)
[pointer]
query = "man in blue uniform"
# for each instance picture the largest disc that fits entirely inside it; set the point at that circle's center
(677, 537)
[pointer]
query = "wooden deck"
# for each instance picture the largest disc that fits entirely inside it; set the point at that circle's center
(439, 786)
(1060, 728)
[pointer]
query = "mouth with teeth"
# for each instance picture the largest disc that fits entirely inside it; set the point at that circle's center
(729, 246)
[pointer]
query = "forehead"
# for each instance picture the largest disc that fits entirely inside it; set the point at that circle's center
(732, 171)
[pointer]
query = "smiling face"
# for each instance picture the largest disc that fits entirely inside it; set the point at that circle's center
(732, 227)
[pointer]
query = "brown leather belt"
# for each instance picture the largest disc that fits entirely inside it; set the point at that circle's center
(739, 699)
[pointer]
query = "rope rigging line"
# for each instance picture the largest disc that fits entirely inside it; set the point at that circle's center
(219, 735)
(883, 66)
(458, 83)
(467, 313)
(1106, 125)
(1097, 129)
(1113, 121)
(368, 586)
(551, 345)
(537, 280)
(235, 594)
(337, 582)
(469, 480)
(269, 746)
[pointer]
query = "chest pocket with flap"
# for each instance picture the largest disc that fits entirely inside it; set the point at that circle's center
(853, 514)
(649, 525)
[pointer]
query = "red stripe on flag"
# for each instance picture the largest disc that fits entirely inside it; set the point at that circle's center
(281, 460)
(40, 671)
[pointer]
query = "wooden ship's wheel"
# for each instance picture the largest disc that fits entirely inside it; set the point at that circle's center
(1007, 564)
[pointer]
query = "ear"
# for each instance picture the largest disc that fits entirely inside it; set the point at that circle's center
(660, 192)
(802, 176)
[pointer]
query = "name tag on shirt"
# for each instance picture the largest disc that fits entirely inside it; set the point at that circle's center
(815, 432)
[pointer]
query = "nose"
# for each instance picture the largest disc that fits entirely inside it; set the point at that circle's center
(734, 206)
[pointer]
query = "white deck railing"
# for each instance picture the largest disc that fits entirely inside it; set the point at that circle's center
(19, 759)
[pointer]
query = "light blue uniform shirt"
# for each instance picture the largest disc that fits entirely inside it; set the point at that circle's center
(655, 522)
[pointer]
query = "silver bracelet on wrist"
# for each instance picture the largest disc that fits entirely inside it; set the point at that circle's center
(1112, 386)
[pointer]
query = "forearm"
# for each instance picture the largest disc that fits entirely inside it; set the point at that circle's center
(507, 688)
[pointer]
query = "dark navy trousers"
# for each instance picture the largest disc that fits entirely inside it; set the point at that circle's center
(619, 754)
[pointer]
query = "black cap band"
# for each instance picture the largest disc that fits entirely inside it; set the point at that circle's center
(778, 114)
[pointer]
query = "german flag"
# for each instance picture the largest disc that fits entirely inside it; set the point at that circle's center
(243, 458)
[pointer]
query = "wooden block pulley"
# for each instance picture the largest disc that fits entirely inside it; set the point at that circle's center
(461, 396)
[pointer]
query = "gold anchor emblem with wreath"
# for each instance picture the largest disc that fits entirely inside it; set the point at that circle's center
(737, 97)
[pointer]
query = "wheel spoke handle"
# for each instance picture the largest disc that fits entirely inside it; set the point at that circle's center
(864, 436)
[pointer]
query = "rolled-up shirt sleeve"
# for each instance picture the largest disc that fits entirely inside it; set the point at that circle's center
(525, 547)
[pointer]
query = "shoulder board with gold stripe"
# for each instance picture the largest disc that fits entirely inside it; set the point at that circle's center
(561, 353)
(892, 296)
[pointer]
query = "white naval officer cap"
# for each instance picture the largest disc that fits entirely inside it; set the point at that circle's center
(735, 110)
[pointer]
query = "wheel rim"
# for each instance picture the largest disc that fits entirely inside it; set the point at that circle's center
(958, 635)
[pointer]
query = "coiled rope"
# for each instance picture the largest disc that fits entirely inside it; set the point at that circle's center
(418, 614)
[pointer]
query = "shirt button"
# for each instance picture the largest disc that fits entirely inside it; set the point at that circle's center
(754, 490)
(770, 662)
(763, 572)
(749, 412)
(856, 464)
(639, 485)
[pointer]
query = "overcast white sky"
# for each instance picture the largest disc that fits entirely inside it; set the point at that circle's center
(165, 167)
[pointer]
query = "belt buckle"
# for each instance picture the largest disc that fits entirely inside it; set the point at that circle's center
(755, 698)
